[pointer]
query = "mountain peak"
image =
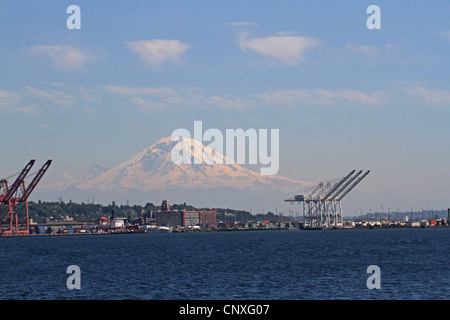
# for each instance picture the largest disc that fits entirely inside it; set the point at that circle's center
(153, 169)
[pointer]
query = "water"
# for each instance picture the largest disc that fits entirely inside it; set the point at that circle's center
(262, 265)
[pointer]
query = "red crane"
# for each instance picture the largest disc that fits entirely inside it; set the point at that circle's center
(15, 186)
(28, 190)
(7, 197)
(18, 193)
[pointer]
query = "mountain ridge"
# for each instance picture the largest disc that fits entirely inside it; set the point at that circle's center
(151, 176)
(153, 169)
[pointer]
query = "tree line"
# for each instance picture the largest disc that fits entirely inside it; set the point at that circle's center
(59, 210)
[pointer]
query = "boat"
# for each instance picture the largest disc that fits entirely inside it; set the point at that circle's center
(149, 228)
(164, 229)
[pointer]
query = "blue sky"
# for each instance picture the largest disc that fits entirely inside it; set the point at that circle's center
(344, 97)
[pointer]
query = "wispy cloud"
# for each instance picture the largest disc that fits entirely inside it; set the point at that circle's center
(157, 51)
(4, 95)
(159, 98)
(27, 110)
(50, 98)
(242, 24)
(148, 97)
(286, 48)
(64, 57)
(147, 104)
(226, 101)
(5, 98)
(322, 97)
(157, 91)
(430, 97)
(368, 51)
(56, 97)
(31, 99)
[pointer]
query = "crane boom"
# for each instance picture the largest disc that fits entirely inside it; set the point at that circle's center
(15, 186)
(3, 187)
(35, 181)
(327, 186)
(353, 185)
(337, 185)
(342, 188)
(316, 189)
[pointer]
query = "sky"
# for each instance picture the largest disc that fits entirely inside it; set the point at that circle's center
(343, 96)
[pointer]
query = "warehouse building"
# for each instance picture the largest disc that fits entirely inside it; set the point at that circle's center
(184, 218)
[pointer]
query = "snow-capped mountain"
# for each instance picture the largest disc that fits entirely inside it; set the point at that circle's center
(153, 169)
(152, 172)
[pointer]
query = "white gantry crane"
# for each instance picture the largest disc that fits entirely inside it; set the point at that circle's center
(322, 207)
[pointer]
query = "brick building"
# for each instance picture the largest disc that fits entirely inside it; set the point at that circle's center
(204, 219)
(184, 218)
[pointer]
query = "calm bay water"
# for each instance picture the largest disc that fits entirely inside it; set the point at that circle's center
(263, 265)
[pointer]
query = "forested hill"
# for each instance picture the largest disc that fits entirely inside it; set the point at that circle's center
(89, 211)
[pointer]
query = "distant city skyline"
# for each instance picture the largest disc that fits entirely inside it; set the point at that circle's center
(341, 95)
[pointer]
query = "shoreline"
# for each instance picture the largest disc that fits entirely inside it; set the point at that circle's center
(209, 230)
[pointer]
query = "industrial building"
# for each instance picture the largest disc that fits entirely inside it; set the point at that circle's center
(184, 218)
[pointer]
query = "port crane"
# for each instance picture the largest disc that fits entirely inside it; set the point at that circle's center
(14, 201)
(322, 206)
